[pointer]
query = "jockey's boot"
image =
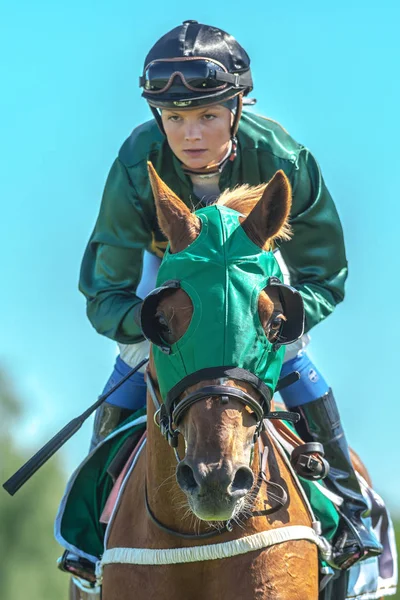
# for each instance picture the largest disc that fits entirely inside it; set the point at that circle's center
(107, 418)
(320, 422)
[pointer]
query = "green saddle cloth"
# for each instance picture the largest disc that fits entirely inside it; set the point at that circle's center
(78, 527)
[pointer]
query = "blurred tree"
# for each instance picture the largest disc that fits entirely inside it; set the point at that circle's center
(28, 550)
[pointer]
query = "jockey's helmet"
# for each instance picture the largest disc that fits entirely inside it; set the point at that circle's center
(195, 65)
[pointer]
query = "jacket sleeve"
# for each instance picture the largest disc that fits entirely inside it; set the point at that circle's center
(113, 260)
(315, 256)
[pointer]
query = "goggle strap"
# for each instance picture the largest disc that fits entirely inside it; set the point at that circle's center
(237, 80)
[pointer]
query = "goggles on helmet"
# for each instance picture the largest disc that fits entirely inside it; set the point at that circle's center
(198, 74)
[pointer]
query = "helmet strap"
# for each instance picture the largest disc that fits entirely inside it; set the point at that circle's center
(238, 114)
(158, 119)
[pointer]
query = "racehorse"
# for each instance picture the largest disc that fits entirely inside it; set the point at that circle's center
(232, 492)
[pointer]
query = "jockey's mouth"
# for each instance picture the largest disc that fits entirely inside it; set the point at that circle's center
(194, 151)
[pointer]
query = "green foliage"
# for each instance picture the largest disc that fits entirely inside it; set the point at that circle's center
(27, 548)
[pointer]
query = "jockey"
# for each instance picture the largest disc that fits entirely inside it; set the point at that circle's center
(195, 79)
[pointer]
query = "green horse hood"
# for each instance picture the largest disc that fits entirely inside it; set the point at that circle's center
(223, 273)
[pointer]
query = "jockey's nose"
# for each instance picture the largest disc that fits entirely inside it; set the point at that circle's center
(198, 478)
(192, 133)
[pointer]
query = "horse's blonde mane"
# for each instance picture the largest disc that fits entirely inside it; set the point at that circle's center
(243, 198)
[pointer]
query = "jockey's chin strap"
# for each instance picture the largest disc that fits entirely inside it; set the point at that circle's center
(211, 170)
(170, 413)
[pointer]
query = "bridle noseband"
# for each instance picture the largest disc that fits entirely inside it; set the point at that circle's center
(225, 392)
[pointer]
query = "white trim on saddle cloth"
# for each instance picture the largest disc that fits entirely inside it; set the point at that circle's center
(121, 491)
(85, 587)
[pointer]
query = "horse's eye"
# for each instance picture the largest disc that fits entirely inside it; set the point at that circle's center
(275, 326)
(163, 327)
(162, 323)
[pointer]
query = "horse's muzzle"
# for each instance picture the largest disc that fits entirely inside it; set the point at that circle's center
(214, 491)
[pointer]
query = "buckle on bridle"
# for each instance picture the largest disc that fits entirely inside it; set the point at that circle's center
(259, 428)
(165, 423)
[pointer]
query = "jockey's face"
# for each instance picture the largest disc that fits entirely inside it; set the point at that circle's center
(199, 137)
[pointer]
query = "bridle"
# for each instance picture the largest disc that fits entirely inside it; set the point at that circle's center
(170, 413)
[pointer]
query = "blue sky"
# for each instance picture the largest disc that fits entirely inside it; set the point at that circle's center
(70, 97)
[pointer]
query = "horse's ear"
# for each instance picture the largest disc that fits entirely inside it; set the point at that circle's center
(178, 224)
(269, 217)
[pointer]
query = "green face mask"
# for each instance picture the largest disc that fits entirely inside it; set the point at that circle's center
(223, 273)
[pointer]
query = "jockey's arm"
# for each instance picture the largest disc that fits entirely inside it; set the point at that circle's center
(113, 260)
(315, 256)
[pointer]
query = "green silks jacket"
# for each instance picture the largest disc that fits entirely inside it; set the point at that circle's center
(127, 223)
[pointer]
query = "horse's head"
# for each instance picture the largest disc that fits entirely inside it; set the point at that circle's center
(217, 322)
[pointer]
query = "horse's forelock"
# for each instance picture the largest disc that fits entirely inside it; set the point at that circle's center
(242, 198)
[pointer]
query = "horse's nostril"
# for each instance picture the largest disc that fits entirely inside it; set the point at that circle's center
(185, 478)
(243, 480)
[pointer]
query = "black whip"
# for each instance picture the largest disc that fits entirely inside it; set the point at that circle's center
(17, 480)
